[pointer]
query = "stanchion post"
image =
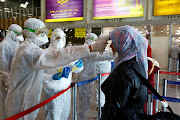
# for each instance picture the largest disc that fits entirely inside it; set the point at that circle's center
(150, 104)
(74, 101)
(164, 82)
(169, 64)
(99, 97)
(177, 68)
(157, 89)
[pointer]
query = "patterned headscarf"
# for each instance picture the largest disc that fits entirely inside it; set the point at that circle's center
(129, 43)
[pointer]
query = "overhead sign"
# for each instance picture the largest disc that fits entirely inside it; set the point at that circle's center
(80, 32)
(64, 10)
(108, 9)
(166, 7)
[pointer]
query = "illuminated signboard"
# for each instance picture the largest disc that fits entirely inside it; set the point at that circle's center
(107, 9)
(80, 32)
(64, 10)
(166, 7)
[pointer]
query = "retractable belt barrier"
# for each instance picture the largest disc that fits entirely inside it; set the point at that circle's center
(23, 113)
(172, 73)
(169, 99)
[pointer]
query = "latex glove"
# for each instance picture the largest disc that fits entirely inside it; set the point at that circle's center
(99, 46)
(64, 73)
(78, 64)
(104, 36)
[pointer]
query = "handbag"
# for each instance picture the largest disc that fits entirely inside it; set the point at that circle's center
(159, 115)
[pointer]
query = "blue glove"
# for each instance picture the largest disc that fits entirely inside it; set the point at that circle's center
(64, 73)
(79, 63)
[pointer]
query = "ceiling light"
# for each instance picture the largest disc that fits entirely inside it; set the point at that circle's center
(66, 30)
(2, 0)
(6, 8)
(177, 33)
(24, 5)
(161, 31)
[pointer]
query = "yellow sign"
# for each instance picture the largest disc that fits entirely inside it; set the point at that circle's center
(80, 32)
(166, 7)
(50, 31)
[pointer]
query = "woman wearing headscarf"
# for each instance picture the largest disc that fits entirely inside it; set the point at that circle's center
(125, 94)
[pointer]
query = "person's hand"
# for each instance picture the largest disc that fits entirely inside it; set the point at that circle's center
(104, 36)
(99, 46)
(64, 73)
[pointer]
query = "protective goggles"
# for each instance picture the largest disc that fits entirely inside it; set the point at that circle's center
(38, 31)
(18, 32)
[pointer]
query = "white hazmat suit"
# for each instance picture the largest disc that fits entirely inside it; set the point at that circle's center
(59, 108)
(8, 48)
(29, 63)
(89, 72)
(103, 67)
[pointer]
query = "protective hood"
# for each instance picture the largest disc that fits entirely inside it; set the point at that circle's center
(58, 43)
(91, 38)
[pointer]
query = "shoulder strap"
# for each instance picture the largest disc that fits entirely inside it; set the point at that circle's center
(148, 85)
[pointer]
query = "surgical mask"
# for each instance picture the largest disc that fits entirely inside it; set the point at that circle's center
(58, 43)
(20, 38)
(41, 39)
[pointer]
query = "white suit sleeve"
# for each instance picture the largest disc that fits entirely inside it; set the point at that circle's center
(4, 63)
(51, 58)
(95, 56)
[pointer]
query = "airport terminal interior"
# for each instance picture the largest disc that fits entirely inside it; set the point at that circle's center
(156, 20)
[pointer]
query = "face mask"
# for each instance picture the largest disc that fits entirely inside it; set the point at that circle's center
(41, 40)
(58, 43)
(20, 38)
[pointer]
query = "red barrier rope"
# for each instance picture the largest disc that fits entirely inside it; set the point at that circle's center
(105, 74)
(172, 73)
(23, 113)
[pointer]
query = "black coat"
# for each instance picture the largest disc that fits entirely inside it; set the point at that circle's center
(124, 92)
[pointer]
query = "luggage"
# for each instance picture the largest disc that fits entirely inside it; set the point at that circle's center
(159, 115)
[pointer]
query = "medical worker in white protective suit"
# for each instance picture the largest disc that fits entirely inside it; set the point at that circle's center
(59, 108)
(103, 67)
(8, 48)
(29, 63)
(89, 72)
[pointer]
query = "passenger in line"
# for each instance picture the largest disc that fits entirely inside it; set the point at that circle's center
(29, 63)
(8, 48)
(174, 54)
(125, 94)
